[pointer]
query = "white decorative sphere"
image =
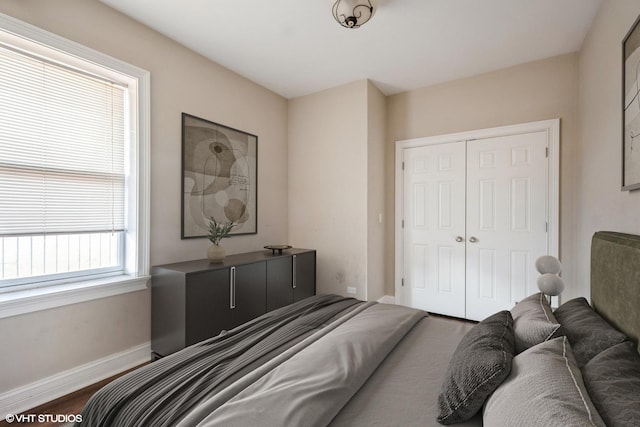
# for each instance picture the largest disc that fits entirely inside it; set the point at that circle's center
(551, 284)
(548, 264)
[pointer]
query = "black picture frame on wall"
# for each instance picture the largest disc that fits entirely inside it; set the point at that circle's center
(631, 108)
(219, 177)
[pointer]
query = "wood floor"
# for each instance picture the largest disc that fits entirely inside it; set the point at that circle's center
(70, 404)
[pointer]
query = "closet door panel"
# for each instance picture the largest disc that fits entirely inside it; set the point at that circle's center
(506, 220)
(434, 181)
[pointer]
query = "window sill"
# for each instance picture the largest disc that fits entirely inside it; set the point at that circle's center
(31, 300)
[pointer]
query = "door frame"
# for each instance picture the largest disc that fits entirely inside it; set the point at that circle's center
(552, 127)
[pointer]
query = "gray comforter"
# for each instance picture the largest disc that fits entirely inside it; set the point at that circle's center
(298, 365)
(310, 384)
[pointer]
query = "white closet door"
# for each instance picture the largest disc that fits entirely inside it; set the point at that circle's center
(506, 220)
(434, 249)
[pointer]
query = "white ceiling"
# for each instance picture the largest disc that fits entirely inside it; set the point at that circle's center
(294, 47)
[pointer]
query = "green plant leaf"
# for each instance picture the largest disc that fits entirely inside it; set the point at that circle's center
(219, 230)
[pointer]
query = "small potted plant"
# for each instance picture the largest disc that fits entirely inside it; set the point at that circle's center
(218, 231)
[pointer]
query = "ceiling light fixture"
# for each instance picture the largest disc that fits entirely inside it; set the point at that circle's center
(353, 13)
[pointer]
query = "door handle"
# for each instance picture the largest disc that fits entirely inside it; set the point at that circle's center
(459, 239)
(473, 239)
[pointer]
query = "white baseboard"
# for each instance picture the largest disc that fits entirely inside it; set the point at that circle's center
(37, 393)
(387, 299)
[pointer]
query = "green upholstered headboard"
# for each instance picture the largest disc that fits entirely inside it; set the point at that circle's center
(615, 280)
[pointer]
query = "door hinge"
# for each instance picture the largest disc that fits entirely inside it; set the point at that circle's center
(402, 165)
(546, 227)
(403, 223)
(402, 281)
(546, 151)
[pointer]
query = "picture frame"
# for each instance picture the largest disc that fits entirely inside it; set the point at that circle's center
(219, 177)
(631, 108)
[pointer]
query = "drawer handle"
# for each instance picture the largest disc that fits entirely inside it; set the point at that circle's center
(294, 272)
(232, 288)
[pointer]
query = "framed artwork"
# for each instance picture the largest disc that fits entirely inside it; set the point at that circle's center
(631, 108)
(219, 177)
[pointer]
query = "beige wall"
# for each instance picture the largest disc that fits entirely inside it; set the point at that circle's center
(181, 81)
(376, 133)
(600, 204)
(328, 184)
(40, 344)
(336, 185)
(540, 90)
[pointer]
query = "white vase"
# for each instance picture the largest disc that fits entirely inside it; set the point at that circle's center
(216, 253)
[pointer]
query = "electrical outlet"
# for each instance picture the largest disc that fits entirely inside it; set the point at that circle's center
(351, 290)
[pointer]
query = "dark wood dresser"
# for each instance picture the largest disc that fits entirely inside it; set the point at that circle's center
(195, 300)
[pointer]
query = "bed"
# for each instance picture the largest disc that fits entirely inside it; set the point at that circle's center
(329, 360)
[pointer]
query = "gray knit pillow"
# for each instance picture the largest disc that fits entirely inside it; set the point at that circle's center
(545, 388)
(613, 381)
(588, 333)
(533, 322)
(479, 364)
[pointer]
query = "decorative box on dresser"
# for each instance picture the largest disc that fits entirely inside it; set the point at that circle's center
(195, 300)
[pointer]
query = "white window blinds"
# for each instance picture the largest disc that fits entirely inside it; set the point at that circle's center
(62, 149)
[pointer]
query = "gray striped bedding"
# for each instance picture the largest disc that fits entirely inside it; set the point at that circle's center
(239, 376)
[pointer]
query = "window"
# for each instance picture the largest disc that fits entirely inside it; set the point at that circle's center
(62, 171)
(73, 163)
